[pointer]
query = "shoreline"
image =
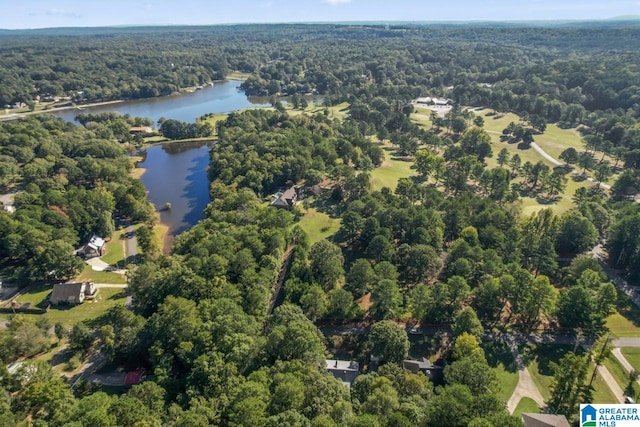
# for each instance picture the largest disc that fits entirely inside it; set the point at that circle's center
(80, 107)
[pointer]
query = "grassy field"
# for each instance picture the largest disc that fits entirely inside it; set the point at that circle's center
(626, 321)
(318, 225)
(238, 75)
(392, 169)
(526, 405)
(213, 121)
(632, 354)
(538, 359)
(90, 275)
(115, 250)
(501, 360)
(422, 117)
(70, 315)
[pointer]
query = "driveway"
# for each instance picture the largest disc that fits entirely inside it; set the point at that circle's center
(526, 387)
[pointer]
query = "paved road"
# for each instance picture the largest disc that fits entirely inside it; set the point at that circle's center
(131, 248)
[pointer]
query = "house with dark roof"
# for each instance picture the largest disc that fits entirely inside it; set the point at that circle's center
(71, 293)
(544, 420)
(344, 370)
(424, 365)
(285, 199)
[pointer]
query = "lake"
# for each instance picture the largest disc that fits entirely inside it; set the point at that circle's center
(177, 173)
(222, 97)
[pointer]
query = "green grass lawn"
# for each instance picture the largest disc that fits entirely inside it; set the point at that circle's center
(238, 75)
(90, 275)
(620, 374)
(318, 225)
(422, 117)
(626, 321)
(115, 251)
(501, 360)
(538, 359)
(392, 169)
(70, 315)
(527, 405)
(632, 354)
(36, 296)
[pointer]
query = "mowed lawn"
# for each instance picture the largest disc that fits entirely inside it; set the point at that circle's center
(115, 248)
(70, 315)
(625, 322)
(621, 375)
(393, 168)
(538, 359)
(90, 275)
(632, 354)
(526, 405)
(318, 225)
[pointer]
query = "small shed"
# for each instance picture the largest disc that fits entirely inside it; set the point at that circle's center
(71, 293)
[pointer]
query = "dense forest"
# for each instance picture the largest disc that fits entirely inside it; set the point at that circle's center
(449, 246)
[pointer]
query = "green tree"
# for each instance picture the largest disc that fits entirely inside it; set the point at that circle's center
(315, 303)
(386, 299)
(576, 233)
(360, 277)
(569, 156)
(503, 157)
(326, 264)
(389, 342)
(466, 321)
(568, 383)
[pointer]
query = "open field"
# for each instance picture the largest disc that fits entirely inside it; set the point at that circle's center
(421, 116)
(90, 275)
(115, 250)
(318, 225)
(625, 322)
(70, 315)
(393, 168)
(501, 360)
(238, 75)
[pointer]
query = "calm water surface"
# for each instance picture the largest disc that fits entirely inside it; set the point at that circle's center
(177, 173)
(222, 97)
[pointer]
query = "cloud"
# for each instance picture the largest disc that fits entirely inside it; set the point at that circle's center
(267, 4)
(336, 2)
(61, 12)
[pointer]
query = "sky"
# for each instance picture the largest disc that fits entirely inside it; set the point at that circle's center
(92, 13)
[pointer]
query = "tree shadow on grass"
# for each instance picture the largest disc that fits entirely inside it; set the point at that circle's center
(628, 309)
(544, 354)
(119, 295)
(497, 352)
